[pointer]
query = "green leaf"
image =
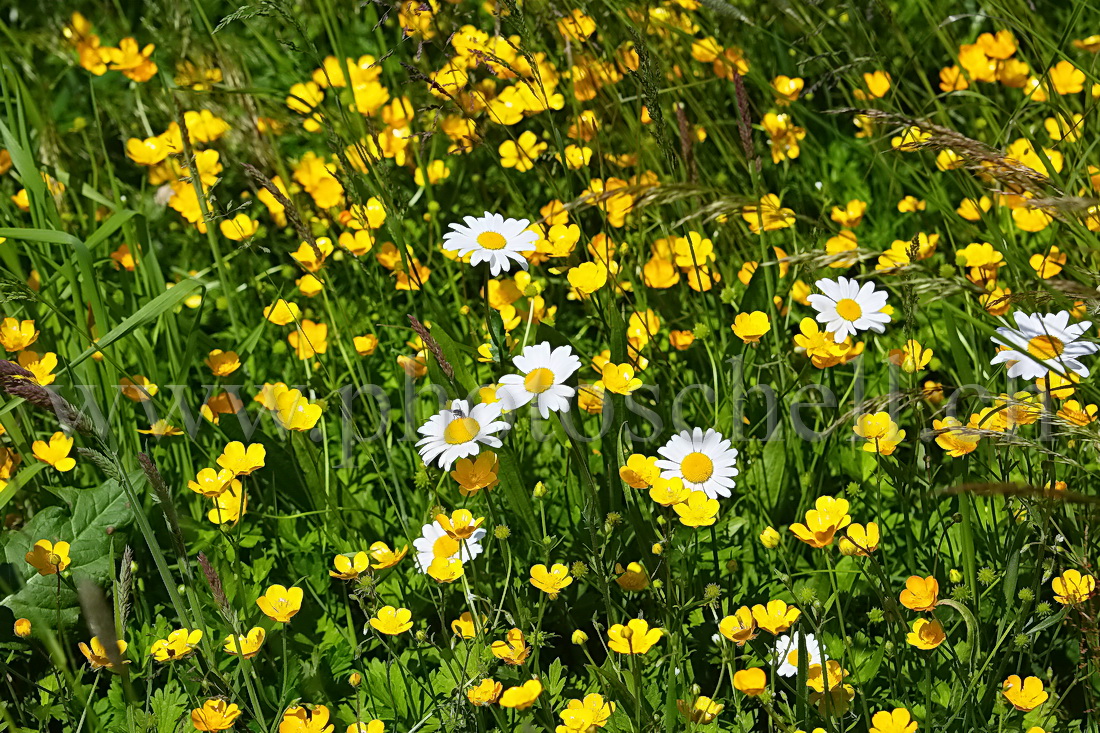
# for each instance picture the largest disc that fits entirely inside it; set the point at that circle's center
(151, 311)
(94, 514)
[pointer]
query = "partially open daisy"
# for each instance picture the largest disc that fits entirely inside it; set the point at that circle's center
(459, 432)
(435, 543)
(705, 461)
(1041, 343)
(847, 309)
(542, 378)
(493, 239)
(786, 652)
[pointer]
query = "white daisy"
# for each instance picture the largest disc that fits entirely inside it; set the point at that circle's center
(1042, 343)
(493, 239)
(703, 460)
(786, 652)
(846, 308)
(542, 378)
(434, 543)
(459, 432)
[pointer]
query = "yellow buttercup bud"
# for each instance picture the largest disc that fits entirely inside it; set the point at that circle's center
(579, 637)
(769, 538)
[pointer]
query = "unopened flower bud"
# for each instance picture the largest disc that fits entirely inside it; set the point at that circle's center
(579, 637)
(769, 538)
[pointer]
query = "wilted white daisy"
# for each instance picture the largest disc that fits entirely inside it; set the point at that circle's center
(542, 378)
(459, 432)
(434, 543)
(1042, 343)
(703, 460)
(846, 308)
(493, 239)
(786, 653)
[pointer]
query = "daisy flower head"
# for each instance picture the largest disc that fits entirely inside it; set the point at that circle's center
(493, 239)
(1041, 343)
(459, 432)
(436, 543)
(542, 376)
(847, 309)
(786, 652)
(705, 461)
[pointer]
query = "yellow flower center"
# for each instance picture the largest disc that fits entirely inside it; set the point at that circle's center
(491, 240)
(696, 467)
(461, 430)
(848, 309)
(539, 380)
(445, 546)
(792, 658)
(1045, 347)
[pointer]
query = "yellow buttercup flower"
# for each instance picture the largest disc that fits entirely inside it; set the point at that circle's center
(350, 568)
(751, 682)
(956, 439)
(776, 617)
(97, 655)
(486, 692)
(522, 696)
(49, 558)
(911, 358)
(214, 715)
(223, 363)
(551, 581)
(926, 634)
(640, 472)
(242, 461)
(698, 510)
(920, 594)
(1071, 587)
(179, 644)
(740, 627)
(383, 557)
(1026, 694)
(751, 327)
(896, 721)
(703, 711)
(298, 719)
(860, 540)
(619, 378)
(631, 578)
(138, 388)
(280, 603)
(465, 627)
(461, 525)
(282, 312)
(588, 277)
(295, 412)
(880, 432)
(822, 522)
(633, 637)
(56, 452)
(212, 484)
(669, 491)
(512, 649)
(392, 621)
(249, 643)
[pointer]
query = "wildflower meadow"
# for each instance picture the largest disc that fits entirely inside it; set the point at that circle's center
(400, 366)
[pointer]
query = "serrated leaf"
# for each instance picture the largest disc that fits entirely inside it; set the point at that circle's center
(85, 525)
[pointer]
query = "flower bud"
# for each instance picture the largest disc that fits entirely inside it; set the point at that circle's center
(22, 628)
(579, 637)
(769, 538)
(355, 679)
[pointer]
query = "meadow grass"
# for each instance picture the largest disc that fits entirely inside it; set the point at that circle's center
(235, 297)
